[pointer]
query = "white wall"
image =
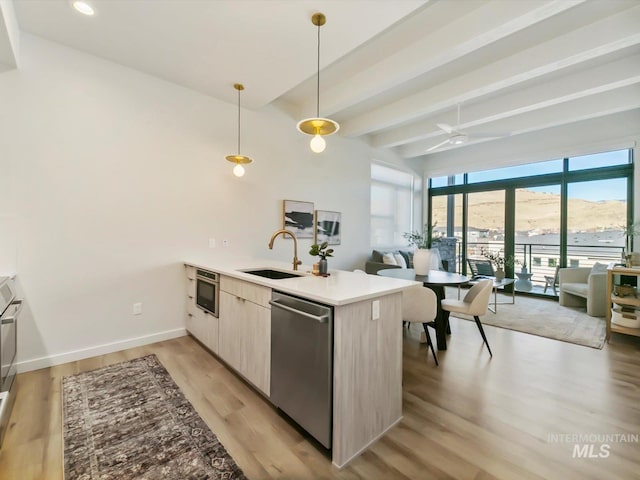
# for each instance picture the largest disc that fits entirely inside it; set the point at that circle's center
(116, 177)
(9, 36)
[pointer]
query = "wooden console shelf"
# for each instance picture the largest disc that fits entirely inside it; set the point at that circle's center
(624, 301)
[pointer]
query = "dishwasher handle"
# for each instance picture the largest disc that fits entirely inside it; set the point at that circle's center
(321, 318)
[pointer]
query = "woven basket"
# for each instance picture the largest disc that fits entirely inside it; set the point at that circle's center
(624, 291)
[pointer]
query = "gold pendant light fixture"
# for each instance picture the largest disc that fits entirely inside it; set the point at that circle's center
(238, 159)
(318, 127)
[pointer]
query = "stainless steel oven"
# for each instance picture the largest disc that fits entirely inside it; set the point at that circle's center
(208, 291)
(9, 312)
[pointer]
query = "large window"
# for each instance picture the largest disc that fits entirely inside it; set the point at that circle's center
(517, 171)
(596, 214)
(537, 236)
(391, 205)
(485, 222)
(606, 159)
(567, 212)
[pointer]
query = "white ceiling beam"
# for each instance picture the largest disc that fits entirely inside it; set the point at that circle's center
(9, 36)
(610, 132)
(581, 45)
(483, 26)
(602, 78)
(606, 103)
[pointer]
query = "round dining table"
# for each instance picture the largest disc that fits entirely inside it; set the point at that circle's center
(436, 280)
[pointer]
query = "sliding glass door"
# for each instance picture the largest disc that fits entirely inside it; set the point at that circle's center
(485, 222)
(596, 214)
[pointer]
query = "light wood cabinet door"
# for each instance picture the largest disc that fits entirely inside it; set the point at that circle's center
(230, 310)
(213, 328)
(255, 346)
(245, 339)
(198, 325)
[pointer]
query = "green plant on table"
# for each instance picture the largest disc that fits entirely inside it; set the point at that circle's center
(424, 239)
(322, 250)
(629, 231)
(498, 259)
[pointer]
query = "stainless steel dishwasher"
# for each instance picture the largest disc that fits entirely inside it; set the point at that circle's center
(302, 363)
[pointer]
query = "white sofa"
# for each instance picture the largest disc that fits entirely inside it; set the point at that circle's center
(584, 285)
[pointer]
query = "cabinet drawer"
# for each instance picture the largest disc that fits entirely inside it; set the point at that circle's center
(247, 290)
(197, 325)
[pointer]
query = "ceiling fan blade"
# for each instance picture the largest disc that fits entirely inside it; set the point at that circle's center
(438, 145)
(445, 126)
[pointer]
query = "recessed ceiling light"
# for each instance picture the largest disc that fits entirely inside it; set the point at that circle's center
(83, 7)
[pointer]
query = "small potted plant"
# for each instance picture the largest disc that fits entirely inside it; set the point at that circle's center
(499, 261)
(629, 231)
(323, 251)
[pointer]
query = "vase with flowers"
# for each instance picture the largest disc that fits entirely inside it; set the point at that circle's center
(323, 251)
(500, 262)
(424, 258)
(629, 231)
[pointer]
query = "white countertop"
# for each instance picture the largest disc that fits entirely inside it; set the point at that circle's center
(339, 288)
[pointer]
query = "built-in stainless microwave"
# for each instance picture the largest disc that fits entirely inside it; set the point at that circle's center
(207, 291)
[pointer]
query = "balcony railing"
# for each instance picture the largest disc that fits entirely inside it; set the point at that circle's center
(542, 259)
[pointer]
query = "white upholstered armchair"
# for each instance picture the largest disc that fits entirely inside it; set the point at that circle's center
(581, 284)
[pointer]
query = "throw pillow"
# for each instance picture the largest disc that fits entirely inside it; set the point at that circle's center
(400, 260)
(389, 259)
(376, 256)
(598, 268)
(408, 258)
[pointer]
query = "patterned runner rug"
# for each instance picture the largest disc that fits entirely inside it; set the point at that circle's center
(131, 421)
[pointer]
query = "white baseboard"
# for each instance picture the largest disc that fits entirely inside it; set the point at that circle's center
(57, 359)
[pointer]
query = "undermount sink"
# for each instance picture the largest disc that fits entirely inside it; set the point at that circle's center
(273, 274)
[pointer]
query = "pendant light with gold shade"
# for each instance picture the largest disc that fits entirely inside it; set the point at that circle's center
(318, 127)
(238, 159)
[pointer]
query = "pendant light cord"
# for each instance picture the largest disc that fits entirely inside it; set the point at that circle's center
(238, 121)
(318, 78)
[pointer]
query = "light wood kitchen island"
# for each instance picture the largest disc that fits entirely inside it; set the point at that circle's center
(367, 351)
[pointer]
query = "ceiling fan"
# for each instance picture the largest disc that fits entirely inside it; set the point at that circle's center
(458, 137)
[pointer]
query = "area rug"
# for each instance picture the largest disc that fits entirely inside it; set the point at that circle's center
(546, 318)
(131, 421)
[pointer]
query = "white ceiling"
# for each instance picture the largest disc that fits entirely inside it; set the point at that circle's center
(391, 70)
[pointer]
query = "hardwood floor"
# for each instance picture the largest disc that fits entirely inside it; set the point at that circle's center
(473, 417)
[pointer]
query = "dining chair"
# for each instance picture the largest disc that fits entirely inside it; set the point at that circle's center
(420, 305)
(480, 267)
(475, 303)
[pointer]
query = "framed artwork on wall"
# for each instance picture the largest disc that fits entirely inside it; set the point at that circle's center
(298, 217)
(328, 227)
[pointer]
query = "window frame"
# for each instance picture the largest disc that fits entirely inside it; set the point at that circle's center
(510, 185)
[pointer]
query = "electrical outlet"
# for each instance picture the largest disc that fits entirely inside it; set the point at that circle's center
(375, 310)
(225, 243)
(212, 243)
(137, 308)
